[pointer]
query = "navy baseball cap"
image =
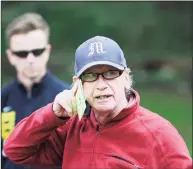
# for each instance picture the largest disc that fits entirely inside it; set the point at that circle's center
(98, 50)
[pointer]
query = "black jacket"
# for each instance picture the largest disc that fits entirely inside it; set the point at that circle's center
(17, 103)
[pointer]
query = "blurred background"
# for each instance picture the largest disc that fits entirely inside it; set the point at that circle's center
(156, 38)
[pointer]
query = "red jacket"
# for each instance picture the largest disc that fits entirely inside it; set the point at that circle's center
(136, 138)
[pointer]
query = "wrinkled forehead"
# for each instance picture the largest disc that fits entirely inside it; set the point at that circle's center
(100, 68)
(28, 41)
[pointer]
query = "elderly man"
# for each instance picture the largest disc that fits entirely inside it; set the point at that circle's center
(114, 132)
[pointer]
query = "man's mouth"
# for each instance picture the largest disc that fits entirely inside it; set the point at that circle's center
(103, 97)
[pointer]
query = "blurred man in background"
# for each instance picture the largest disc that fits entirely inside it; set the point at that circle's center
(28, 51)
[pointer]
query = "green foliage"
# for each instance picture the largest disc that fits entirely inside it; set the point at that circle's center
(145, 30)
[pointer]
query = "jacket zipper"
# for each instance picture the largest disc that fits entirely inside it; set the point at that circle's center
(97, 130)
(97, 133)
(29, 94)
(122, 159)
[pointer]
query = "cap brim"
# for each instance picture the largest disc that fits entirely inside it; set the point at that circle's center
(99, 63)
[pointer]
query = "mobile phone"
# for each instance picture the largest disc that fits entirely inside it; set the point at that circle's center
(80, 100)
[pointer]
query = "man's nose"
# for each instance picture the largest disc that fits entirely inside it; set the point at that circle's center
(30, 57)
(101, 83)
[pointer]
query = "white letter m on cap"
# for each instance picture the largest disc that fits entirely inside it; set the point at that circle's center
(96, 47)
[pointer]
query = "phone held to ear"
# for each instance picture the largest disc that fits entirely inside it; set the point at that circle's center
(80, 100)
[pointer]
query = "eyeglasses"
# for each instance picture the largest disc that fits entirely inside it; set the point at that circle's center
(109, 75)
(24, 54)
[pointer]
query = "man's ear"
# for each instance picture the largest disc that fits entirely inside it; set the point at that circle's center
(48, 50)
(10, 57)
(126, 76)
(49, 47)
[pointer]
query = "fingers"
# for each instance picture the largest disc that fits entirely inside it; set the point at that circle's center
(65, 102)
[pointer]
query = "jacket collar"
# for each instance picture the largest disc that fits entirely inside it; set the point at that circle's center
(37, 88)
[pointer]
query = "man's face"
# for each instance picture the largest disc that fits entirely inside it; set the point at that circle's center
(106, 96)
(30, 66)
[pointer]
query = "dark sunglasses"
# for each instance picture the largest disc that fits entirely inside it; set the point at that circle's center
(24, 54)
(91, 77)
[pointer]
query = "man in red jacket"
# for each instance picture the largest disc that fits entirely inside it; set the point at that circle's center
(114, 132)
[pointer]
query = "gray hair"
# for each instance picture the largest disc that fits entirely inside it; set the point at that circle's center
(129, 84)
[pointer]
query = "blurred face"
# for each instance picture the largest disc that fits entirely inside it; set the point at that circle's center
(29, 53)
(106, 95)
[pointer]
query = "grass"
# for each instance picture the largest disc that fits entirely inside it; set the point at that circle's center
(175, 108)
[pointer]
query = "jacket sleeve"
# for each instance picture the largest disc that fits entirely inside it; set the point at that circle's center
(170, 151)
(38, 140)
(4, 97)
(176, 152)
